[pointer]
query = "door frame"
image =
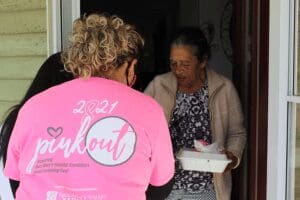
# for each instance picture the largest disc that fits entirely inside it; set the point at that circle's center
(258, 93)
(281, 39)
(54, 31)
(259, 80)
(272, 45)
(60, 14)
(252, 81)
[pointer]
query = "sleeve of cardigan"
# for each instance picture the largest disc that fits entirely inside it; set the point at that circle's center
(236, 138)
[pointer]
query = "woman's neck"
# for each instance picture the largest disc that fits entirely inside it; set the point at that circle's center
(196, 86)
(193, 89)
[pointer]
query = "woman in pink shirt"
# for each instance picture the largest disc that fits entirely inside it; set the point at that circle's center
(93, 137)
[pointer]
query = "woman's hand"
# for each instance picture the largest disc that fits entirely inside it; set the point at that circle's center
(233, 158)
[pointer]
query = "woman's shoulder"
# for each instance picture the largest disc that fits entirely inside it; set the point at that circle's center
(162, 77)
(217, 77)
(218, 80)
(166, 81)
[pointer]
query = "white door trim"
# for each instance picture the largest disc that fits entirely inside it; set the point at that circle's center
(53, 26)
(70, 12)
(279, 60)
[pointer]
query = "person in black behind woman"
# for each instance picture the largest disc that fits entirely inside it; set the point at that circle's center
(52, 73)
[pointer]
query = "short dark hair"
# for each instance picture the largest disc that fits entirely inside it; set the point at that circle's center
(192, 36)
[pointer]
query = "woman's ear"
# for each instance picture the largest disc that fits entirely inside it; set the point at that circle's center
(131, 76)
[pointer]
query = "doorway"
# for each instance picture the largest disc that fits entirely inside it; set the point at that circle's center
(157, 19)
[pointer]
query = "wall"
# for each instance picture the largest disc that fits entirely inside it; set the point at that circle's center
(297, 153)
(23, 48)
(214, 12)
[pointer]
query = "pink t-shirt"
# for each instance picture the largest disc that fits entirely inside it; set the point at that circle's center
(93, 139)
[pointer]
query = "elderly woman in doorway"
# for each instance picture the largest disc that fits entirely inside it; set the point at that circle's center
(199, 104)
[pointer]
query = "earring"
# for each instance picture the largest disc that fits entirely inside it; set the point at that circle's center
(133, 81)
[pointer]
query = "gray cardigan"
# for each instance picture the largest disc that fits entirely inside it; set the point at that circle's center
(226, 117)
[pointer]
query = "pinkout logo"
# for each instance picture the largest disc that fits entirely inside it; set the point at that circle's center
(111, 141)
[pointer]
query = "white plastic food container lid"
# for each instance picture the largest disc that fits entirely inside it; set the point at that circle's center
(199, 161)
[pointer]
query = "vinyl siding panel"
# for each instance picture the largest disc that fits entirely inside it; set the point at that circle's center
(13, 90)
(17, 5)
(23, 47)
(19, 67)
(28, 44)
(5, 107)
(32, 21)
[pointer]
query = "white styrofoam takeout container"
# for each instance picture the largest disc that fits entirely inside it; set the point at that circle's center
(200, 161)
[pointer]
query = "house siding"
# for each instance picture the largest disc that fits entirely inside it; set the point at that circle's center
(23, 47)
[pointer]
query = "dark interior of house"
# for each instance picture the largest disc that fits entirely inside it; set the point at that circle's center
(157, 19)
(154, 19)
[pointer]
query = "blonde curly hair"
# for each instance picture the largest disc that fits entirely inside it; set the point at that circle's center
(100, 42)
